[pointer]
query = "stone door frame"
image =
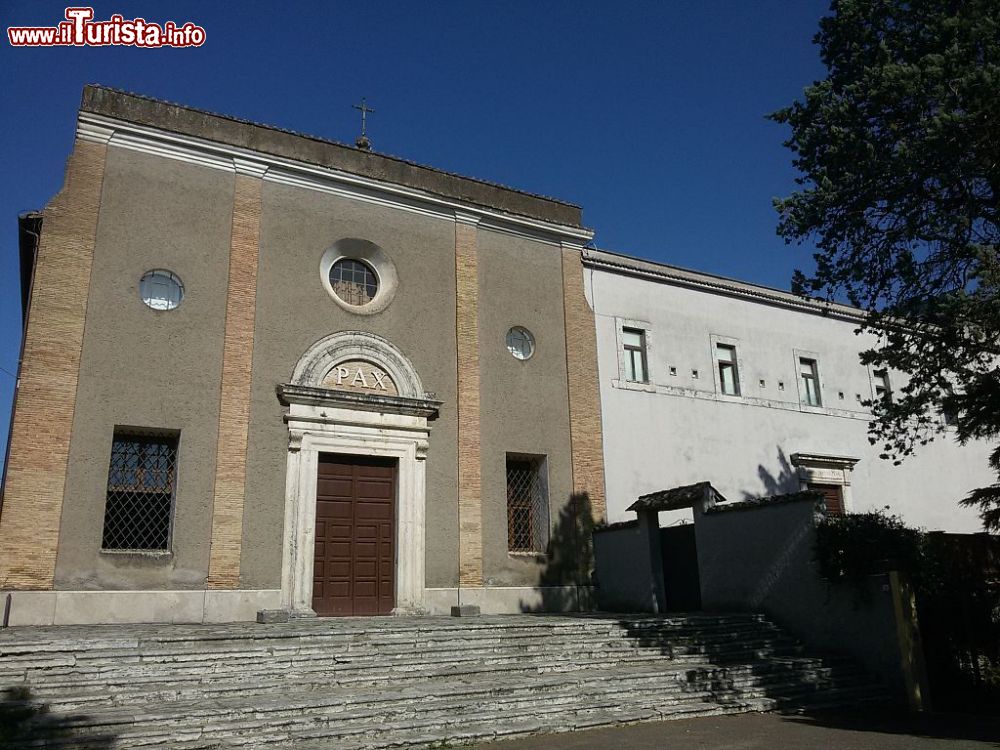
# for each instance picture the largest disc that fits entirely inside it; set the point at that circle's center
(322, 420)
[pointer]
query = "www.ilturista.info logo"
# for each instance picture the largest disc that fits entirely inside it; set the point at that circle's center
(80, 30)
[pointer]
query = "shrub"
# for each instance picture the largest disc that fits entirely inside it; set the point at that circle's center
(853, 546)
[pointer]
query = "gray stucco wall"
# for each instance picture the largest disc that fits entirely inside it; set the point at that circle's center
(627, 560)
(294, 311)
(145, 368)
(162, 369)
(761, 559)
(525, 404)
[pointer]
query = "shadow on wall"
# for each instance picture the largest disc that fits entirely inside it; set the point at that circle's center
(565, 581)
(774, 541)
(786, 480)
(24, 722)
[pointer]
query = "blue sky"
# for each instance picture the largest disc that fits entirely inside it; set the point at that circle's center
(650, 115)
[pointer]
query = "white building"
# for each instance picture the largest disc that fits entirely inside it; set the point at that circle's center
(757, 391)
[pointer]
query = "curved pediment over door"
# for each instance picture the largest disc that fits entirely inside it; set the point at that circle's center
(357, 369)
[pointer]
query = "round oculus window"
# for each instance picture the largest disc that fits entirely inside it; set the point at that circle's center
(160, 289)
(520, 343)
(358, 275)
(353, 281)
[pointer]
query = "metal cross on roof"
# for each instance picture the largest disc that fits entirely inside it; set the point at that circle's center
(362, 141)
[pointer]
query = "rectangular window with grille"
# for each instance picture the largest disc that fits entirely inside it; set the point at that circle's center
(141, 480)
(527, 504)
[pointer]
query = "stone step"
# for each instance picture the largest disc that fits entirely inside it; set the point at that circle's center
(98, 693)
(486, 728)
(133, 684)
(400, 661)
(98, 638)
(24, 668)
(239, 716)
(13, 662)
(595, 712)
(443, 717)
(395, 682)
(14, 652)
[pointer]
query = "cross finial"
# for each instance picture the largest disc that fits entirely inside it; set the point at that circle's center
(362, 142)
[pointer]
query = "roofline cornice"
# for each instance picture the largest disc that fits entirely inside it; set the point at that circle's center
(628, 266)
(228, 158)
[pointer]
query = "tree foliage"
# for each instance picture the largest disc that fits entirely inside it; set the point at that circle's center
(898, 150)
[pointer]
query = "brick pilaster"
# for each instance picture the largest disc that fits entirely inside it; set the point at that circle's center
(46, 396)
(234, 404)
(584, 389)
(470, 511)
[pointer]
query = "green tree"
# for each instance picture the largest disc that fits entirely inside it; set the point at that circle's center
(898, 151)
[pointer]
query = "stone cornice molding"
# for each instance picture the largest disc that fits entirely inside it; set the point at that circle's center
(311, 396)
(94, 132)
(822, 460)
(249, 167)
(623, 264)
(207, 153)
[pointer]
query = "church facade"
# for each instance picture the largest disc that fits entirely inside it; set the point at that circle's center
(264, 371)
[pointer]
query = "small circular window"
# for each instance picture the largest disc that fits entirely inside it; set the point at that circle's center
(520, 342)
(160, 289)
(353, 281)
(358, 275)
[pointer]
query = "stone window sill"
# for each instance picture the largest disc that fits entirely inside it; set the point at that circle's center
(540, 556)
(146, 554)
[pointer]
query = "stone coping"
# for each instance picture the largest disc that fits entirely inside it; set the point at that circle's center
(766, 502)
(677, 498)
(267, 139)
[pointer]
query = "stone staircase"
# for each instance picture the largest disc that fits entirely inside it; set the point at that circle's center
(405, 682)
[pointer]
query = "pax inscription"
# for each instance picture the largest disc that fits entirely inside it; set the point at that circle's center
(358, 375)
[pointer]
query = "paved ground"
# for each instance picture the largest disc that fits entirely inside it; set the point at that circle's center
(845, 731)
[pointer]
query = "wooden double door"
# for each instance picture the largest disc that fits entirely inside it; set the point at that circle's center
(355, 560)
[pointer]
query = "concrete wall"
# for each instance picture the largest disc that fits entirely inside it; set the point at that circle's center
(761, 558)
(147, 368)
(679, 429)
(629, 568)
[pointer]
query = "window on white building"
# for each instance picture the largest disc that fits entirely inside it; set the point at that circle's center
(729, 377)
(948, 413)
(634, 343)
(809, 374)
(882, 387)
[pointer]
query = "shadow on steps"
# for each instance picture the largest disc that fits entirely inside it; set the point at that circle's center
(27, 723)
